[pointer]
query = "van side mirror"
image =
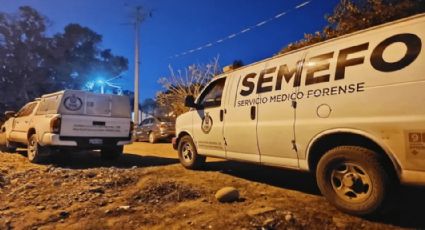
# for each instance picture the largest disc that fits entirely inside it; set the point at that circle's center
(9, 114)
(189, 101)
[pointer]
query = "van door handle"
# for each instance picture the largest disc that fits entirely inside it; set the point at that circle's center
(221, 115)
(252, 112)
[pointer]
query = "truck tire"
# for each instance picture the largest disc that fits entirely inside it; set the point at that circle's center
(152, 138)
(111, 153)
(5, 145)
(35, 152)
(354, 180)
(188, 155)
(9, 147)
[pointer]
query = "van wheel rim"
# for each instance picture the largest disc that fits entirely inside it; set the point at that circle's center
(32, 149)
(351, 182)
(187, 152)
(151, 137)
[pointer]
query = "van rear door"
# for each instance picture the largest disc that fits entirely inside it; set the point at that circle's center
(94, 115)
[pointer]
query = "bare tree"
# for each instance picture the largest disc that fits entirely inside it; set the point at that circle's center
(353, 15)
(180, 84)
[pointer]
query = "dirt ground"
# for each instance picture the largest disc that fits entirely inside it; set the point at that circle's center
(148, 189)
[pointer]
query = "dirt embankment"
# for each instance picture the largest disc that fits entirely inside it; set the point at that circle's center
(150, 190)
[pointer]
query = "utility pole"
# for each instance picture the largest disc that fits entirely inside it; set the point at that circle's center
(139, 17)
(136, 65)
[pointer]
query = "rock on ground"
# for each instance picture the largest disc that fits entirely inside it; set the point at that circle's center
(227, 194)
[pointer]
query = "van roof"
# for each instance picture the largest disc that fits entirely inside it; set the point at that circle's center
(330, 40)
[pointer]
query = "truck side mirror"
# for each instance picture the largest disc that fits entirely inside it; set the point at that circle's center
(9, 114)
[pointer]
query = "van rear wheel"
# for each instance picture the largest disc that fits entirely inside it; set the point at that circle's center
(111, 153)
(354, 180)
(188, 154)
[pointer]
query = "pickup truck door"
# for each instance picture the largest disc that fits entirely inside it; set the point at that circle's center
(22, 122)
(208, 120)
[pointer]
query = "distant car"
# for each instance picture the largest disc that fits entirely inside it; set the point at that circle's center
(156, 128)
(69, 119)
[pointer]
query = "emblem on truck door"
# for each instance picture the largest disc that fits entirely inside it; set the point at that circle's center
(73, 103)
(207, 123)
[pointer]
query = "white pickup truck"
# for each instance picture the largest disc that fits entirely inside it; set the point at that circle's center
(70, 119)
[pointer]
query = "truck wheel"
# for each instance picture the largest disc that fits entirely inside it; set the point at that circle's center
(36, 152)
(152, 138)
(354, 180)
(5, 145)
(9, 147)
(188, 155)
(111, 153)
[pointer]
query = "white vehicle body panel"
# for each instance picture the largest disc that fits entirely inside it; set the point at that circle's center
(240, 129)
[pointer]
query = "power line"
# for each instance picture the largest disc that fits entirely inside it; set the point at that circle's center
(245, 30)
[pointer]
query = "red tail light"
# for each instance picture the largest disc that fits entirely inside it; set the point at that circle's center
(55, 125)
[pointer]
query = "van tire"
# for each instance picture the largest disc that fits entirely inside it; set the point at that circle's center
(111, 153)
(188, 155)
(354, 180)
(36, 152)
(152, 138)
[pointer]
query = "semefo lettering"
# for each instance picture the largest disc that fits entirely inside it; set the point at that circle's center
(286, 74)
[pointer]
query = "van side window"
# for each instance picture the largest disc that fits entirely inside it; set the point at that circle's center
(212, 95)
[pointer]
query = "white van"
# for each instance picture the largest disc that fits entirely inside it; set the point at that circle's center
(350, 110)
(70, 119)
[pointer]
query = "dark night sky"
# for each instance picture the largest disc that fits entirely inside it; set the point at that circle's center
(180, 25)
